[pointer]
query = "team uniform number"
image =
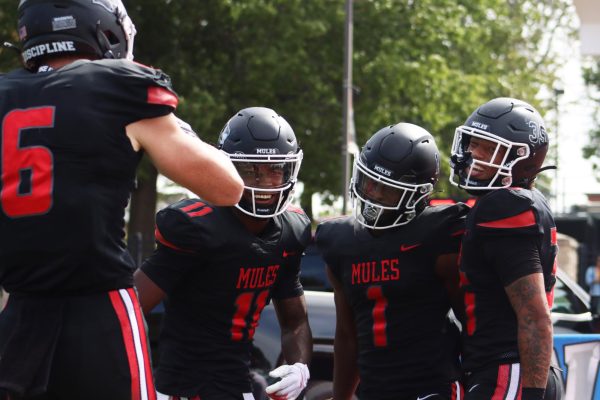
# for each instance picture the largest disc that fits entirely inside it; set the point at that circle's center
(19, 163)
(245, 303)
(379, 322)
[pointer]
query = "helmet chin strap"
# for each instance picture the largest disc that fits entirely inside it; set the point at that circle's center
(104, 43)
(547, 167)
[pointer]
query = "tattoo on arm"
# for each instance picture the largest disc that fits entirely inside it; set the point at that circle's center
(528, 299)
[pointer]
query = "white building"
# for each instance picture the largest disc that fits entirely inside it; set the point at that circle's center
(588, 12)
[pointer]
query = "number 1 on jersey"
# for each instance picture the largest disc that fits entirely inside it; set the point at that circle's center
(20, 162)
(379, 322)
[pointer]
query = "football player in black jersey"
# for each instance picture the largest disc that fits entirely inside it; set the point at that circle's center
(508, 259)
(393, 267)
(219, 266)
(75, 122)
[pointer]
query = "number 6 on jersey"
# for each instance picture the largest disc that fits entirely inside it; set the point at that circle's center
(20, 198)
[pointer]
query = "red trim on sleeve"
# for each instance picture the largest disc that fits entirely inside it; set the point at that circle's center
(202, 212)
(522, 220)
(471, 202)
(439, 202)
(192, 206)
(159, 95)
(203, 209)
(553, 239)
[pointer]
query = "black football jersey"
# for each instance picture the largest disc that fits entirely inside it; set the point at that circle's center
(501, 220)
(399, 304)
(218, 277)
(67, 169)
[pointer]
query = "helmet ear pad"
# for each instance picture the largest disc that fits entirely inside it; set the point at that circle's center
(259, 136)
(402, 161)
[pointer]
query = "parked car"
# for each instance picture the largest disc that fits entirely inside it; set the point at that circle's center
(570, 315)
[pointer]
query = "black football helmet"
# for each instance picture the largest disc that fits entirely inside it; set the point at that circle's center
(393, 176)
(263, 147)
(100, 28)
(517, 135)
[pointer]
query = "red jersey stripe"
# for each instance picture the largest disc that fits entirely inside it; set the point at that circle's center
(121, 312)
(159, 95)
(522, 220)
(553, 239)
(457, 233)
(470, 313)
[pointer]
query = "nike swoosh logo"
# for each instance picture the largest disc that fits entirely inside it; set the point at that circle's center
(406, 247)
(473, 387)
(285, 253)
(428, 396)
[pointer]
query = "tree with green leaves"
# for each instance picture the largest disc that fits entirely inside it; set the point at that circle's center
(428, 62)
(591, 151)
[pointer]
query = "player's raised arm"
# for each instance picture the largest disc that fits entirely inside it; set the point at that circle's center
(187, 160)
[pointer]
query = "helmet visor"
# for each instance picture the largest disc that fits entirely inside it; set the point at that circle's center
(265, 175)
(377, 191)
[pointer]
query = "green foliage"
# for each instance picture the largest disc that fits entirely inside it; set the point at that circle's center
(9, 59)
(429, 62)
(591, 76)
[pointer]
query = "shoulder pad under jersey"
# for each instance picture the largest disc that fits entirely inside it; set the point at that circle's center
(124, 69)
(505, 209)
(446, 213)
(127, 86)
(299, 225)
(189, 226)
(331, 235)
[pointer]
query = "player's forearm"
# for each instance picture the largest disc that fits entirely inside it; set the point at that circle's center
(528, 299)
(296, 344)
(535, 351)
(345, 370)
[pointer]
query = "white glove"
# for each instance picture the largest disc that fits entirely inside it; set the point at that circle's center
(293, 380)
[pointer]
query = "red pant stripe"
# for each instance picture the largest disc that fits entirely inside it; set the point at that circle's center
(126, 329)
